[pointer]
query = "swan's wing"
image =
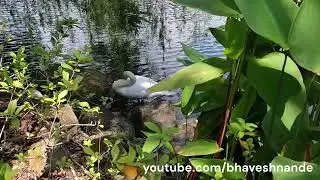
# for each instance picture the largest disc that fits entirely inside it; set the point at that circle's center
(144, 82)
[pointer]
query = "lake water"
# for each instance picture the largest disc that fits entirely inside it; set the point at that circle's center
(143, 36)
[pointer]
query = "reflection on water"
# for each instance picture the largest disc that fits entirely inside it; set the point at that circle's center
(143, 36)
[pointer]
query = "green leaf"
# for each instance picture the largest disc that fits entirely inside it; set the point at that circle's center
(200, 147)
(220, 35)
(218, 167)
(287, 102)
(193, 54)
(186, 95)
(170, 131)
(311, 170)
(19, 109)
(275, 18)
(3, 84)
(66, 66)
(131, 155)
(88, 151)
(215, 7)
(303, 38)
(17, 84)
(197, 73)
(115, 151)
(65, 76)
(244, 105)
(129, 159)
(236, 34)
(62, 94)
(12, 106)
(153, 127)
(151, 143)
(164, 159)
(15, 123)
(84, 104)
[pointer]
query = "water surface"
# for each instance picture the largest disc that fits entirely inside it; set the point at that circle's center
(143, 36)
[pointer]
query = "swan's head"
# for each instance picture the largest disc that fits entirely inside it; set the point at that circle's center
(129, 81)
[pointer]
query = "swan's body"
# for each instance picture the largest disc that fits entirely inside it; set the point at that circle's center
(136, 86)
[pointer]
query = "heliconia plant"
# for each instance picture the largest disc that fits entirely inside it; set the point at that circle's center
(260, 103)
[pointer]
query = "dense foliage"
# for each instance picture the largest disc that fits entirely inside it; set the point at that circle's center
(261, 103)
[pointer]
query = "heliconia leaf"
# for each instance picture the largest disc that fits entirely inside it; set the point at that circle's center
(287, 102)
(215, 7)
(304, 170)
(200, 147)
(304, 36)
(197, 73)
(275, 18)
(186, 95)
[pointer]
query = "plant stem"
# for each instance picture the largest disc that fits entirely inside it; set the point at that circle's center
(233, 89)
(230, 98)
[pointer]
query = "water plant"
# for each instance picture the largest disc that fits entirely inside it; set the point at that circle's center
(264, 93)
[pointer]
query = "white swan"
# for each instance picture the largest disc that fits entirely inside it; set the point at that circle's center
(136, 86)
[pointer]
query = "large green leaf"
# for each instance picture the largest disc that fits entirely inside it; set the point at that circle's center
(304, 36)
(197, 73)
(200, 147)
(286, 173)
(271, 19)
(287, 102)
(215, 7)
(217, 165)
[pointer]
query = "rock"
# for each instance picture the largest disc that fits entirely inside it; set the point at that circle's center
(68, 119)
(35, 162)
(187, 133)
(112, 121)
(161, 113)
(166, 116)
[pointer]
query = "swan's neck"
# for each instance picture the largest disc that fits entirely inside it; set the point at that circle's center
(131, 79)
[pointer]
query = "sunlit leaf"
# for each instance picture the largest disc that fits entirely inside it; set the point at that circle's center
(151, 143)
(17, 84)
(66, 66)
(200, 147)
(62, 94)
(186, 95)
(197, 73)
(152, 126)
(12, 106)
(275, 18)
